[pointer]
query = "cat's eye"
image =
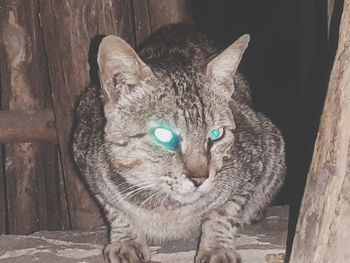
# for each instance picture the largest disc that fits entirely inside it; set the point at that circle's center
(166, 137)
(216, 134)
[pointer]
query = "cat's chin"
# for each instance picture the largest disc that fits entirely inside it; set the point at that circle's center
(186, 198)
(185, 192)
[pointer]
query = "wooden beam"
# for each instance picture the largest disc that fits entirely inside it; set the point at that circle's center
(27, 126)
(323, 230)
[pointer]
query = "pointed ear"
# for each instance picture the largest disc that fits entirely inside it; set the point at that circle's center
(225, 65)
(119, 64)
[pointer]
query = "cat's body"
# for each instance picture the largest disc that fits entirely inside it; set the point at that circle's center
(155, 189)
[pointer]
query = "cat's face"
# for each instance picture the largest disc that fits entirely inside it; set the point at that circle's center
(168, 133)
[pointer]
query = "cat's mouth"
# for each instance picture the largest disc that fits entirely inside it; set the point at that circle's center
(185, 191)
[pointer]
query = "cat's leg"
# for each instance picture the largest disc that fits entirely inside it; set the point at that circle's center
(125, 246)
(217, 243)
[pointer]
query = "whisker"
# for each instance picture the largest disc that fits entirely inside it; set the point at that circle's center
(149, 198)
(137, 186)
(134, 192)
(160, 194)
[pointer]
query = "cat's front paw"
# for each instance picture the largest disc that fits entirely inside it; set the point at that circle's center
(220, 255)
(126, 252)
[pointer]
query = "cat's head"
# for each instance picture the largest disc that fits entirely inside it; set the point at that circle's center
(169, 127)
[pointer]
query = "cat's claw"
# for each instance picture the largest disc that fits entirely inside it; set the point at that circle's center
(218, 256)
(126, 252)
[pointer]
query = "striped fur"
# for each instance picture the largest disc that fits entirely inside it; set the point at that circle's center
(143, 187)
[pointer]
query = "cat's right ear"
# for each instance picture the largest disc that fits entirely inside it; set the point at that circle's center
(224, 66)
(119, 64)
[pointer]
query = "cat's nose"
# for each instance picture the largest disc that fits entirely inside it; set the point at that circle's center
(196, 166)
(197, 181)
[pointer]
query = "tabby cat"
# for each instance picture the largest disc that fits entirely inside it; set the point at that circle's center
(170, 145)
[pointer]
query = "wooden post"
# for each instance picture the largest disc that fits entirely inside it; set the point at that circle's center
(3, 208)
(323, 230)
(24, 79)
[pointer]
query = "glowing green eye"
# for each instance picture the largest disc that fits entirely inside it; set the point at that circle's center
(216, 134)
(166, 137)
(163, 135)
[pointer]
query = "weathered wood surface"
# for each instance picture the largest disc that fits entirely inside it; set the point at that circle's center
(150, 15)
(142, 20)
(323, 231)
(163, 13)
(260, 243)
(2, 196)
(24, 80)
(27, 126)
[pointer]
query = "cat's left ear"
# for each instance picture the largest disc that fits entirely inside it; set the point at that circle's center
(119, 64)
(224, 66)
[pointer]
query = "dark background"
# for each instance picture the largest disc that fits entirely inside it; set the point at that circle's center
(287, 65)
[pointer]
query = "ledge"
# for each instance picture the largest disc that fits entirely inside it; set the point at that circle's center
(261, 242)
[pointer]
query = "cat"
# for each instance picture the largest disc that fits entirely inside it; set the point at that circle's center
(170, 145)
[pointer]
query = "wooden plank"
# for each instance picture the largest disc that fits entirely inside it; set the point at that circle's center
(3, 208)
(150, 15)
(324, 222)
(168, 12)
(53, 216)
(27, 126)
(141, 20)
(70, 27)
(23, 81)
(64, 209)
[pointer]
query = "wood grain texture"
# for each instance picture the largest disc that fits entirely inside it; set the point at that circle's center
(27, 126)
(3, 209)
(70, 29)
(150, 15)
(64, 209)
(23, 81)
(141, 20)
(168, 12)
(323, 231)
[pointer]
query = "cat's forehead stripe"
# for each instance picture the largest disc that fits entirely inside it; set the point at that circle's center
(187, 98)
